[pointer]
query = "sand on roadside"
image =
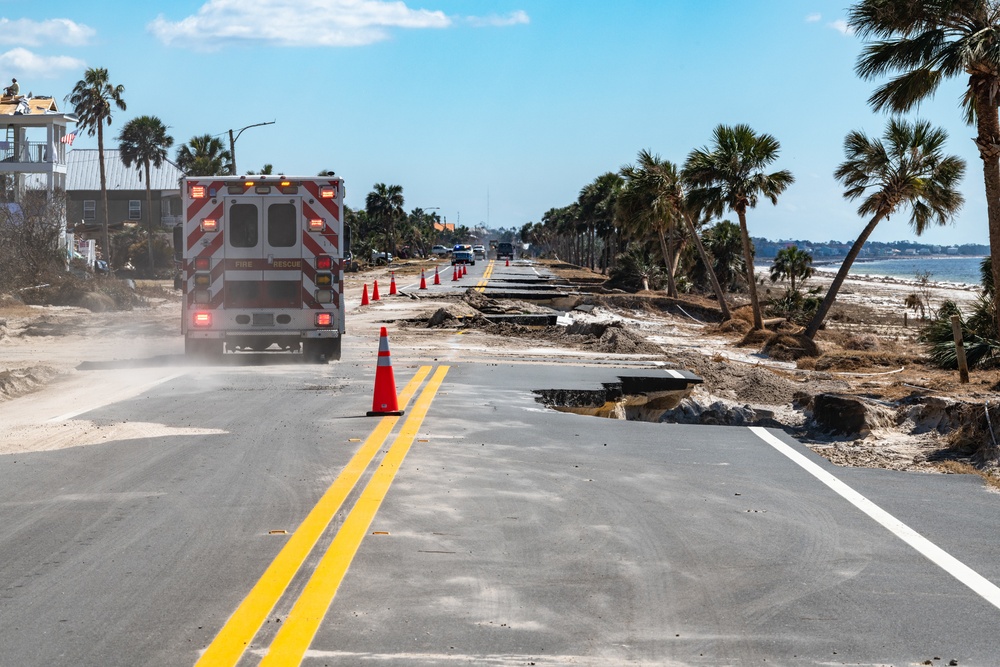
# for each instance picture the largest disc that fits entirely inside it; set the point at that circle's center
(57, 358)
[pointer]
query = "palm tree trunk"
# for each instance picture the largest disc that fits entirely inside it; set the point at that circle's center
(831, 294)
(106, 240)
(149, 220)
(708, 267)
(988, 141)
(667, 257)
(590, 246)
(758, 321)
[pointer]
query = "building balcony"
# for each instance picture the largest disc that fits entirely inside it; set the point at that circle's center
(29, 152)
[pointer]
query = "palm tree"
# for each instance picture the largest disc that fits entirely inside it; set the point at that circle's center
(906, 167)
(792, 263)
(144, 142)
(384, 205)
(646, 207)
(731, 176)
(204, 155)
(663, 178)
(417, 230)
(923, 42)
(92, 98)
(597, 202)
(724, 244)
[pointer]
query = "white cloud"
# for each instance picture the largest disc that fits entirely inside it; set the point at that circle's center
(24, 64)
(840, 25)
(519, 17)
(813, 18)
(293, 23)
(35, 33)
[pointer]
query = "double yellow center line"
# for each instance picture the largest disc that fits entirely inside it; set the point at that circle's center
(292, 641)
(481, 285)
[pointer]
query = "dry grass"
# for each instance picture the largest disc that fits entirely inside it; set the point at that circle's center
(755, 338)
(13, 307)
(790, 347)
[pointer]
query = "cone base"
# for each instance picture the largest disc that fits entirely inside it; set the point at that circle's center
(398, 413)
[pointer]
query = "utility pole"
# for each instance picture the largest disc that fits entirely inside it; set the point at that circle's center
(232, 144)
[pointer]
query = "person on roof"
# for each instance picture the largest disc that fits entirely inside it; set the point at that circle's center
(12, 89)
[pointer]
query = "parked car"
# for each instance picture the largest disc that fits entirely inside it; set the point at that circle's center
(440, 251)
(381, 257)
(479, 251)
(463, 257)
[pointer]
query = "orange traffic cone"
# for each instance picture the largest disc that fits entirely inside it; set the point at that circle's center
(437, 278)
(364, 295)
(392, 283)
(508, 262)
(384, 402)
(375, 291)
(454, 273)
(423, 281)
(465, 269)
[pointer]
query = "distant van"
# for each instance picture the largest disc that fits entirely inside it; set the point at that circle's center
(505, 250)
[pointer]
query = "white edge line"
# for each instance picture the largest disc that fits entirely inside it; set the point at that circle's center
(137, 390)
(975, 581)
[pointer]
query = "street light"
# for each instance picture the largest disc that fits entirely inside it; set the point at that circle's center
(232, 143)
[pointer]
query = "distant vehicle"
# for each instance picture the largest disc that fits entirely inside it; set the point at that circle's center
(381, 257)
(463, 257)
(479, 251)
(459, 247)
(440, 250)
(505, 250)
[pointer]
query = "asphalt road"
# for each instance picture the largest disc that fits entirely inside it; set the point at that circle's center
(278, 524)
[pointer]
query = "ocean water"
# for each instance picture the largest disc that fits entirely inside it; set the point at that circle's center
(963, 270)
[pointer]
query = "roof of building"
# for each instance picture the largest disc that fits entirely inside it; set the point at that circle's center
(36, 105)
(82, 172)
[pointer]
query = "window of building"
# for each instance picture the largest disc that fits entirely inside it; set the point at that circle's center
(134, 209)
(90, 209)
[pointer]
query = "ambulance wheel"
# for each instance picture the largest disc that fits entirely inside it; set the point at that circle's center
(321, 351)
(202, 348)
(333, 349)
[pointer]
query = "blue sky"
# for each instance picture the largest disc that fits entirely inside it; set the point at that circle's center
(493, 111)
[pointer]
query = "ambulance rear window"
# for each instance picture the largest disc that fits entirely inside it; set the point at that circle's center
(282, 232)
(243, 227)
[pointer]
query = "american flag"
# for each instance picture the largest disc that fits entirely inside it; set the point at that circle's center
(68, 139)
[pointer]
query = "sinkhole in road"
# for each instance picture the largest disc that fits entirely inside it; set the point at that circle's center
(629, 397)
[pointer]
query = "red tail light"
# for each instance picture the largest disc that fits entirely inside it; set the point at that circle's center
(324, 262)
(202, 319)
(316, 225)
(324, 319)
(327, 192)
(198, 192)
(202, 263)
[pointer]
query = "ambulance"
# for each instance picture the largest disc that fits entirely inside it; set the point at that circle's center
(261, 265)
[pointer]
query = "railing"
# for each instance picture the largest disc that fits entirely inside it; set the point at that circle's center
(28, 151)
